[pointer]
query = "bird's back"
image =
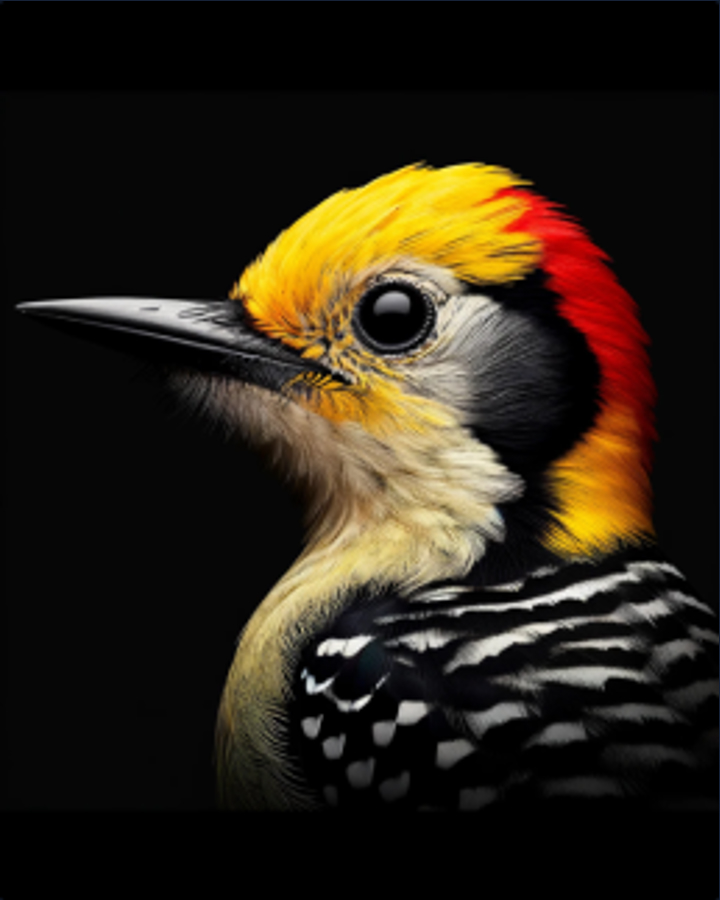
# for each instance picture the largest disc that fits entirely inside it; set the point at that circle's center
(591, 680)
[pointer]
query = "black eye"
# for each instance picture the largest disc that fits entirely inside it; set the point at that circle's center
(394, 317)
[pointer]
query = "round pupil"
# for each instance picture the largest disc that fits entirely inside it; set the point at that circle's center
(394, 316)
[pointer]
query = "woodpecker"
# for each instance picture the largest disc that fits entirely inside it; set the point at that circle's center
(445, 365)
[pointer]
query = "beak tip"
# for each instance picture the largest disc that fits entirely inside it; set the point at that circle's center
(33, 307)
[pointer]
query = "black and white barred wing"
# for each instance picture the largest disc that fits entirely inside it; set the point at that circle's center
(590, 681)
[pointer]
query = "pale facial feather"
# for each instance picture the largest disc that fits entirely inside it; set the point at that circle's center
(435, 488)
(436, 492)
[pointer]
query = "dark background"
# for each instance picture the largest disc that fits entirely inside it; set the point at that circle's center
(138, 541)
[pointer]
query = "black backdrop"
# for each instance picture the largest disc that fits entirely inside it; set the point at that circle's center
(136, 543)
(139, 541)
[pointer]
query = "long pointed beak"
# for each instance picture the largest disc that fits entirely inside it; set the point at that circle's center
(208, 335)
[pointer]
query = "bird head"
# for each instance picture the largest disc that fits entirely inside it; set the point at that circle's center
(441, 354)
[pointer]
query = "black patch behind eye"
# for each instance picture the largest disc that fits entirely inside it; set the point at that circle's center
(536, 400)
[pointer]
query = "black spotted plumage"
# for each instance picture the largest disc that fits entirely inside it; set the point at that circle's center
(607, 692)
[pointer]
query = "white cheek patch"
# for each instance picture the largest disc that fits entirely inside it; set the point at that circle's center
(514, 371)
(481, 353)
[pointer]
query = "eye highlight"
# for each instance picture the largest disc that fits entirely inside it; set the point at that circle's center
(393, 317)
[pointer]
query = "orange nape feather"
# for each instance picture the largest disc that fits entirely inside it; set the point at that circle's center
(603, 489)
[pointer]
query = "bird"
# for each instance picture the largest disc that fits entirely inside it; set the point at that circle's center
(445, 366)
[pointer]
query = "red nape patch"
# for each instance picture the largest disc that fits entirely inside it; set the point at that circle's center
(593, 301)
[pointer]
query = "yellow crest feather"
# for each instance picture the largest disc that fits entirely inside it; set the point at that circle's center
(446, 217)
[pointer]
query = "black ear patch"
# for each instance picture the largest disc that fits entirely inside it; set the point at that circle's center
(541, 392)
